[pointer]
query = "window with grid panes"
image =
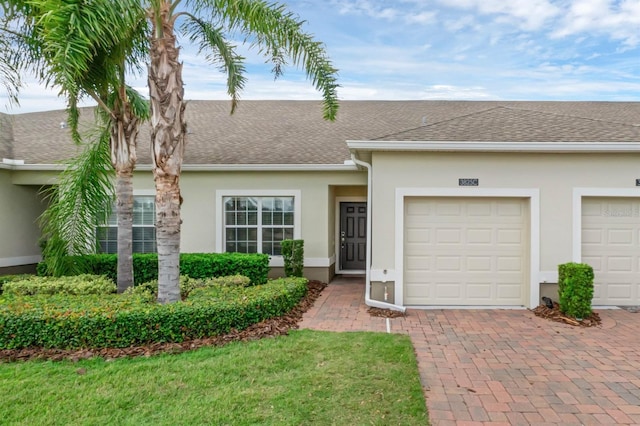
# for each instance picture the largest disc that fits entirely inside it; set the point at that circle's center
(144, 229)
(257, 224)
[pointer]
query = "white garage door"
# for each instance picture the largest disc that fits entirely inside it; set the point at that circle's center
(466, 251)
(611, 245)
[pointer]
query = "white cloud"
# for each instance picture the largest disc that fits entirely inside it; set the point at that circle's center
(421, 18)
(617, 21)
(366, 8)
(461, 23)
(444, 49)
(443, 91)
(530, 14)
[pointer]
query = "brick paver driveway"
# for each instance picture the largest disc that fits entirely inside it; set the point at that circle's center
(506, 366)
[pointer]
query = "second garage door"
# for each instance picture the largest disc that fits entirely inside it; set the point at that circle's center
(611, 245)
(465, 251)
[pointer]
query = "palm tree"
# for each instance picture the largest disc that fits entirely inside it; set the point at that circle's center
(273, 30)
(69, 46)
(269, 27)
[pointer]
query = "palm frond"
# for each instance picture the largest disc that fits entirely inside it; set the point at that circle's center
(81, 201)
(139, 105)
(210, 39)
(275, 32)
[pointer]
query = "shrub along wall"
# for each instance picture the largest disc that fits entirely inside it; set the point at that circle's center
(77, 285)
(194, 265)
(10, 278)
(124, 320)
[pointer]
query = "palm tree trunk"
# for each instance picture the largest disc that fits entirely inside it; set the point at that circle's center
(124, 212)
(168, 126)
(124, 132)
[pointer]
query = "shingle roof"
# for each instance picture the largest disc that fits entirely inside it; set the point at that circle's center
(293, 132)
(6, 137)
(508, 124)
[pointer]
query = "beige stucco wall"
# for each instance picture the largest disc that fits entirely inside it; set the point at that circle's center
(20, 207)
(199, 207)
(555, 175)
(318, 191)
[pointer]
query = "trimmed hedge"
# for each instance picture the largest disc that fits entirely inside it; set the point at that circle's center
(123, 320)
(10, 278)
(575, 289)
(195, 265)
(188, 284)
(72, 286)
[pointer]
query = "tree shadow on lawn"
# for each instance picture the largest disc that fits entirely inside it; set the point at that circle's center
(269, 328)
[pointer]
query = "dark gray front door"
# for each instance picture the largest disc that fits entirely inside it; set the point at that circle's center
(353, 235)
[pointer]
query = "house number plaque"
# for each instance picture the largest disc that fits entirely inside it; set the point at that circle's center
(468, 182)
(637, 182)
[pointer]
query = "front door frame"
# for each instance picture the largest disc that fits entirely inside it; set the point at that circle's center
(337, 221)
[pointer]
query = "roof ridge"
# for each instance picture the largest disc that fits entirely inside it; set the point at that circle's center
(441, 121)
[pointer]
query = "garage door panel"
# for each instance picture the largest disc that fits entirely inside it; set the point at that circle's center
(418, 263)
(510, 237)
(510, 291)
(418, 235)
(448, 263)
(621, 291)
(620, 264)
(448, 209)
(480, 292)
(620, 236)
(610, 244)
(478, 249)
(447, 290)
(479, 264)
(448, 236)
(480, 209)
(480, 236)
(509, 264)
(592, 236)
(594, 261)
(592, 209)
(510, 209)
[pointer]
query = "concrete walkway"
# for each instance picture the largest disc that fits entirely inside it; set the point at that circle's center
(490, 367)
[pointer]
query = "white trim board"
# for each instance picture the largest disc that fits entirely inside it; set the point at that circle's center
(337, 219)
(533, 194)
(19, 261)
(309, 262)
(209, 167)
(578, 194)
(483, 146)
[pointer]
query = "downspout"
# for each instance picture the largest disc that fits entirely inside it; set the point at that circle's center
(367, 285)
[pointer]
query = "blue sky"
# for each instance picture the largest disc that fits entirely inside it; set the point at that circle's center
(442, 49)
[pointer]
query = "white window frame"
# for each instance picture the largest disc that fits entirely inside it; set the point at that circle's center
(261, 193)
(138, 193)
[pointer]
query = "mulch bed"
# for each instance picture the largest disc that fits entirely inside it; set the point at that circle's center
(270, 328)
(384, 313)
(555, 315)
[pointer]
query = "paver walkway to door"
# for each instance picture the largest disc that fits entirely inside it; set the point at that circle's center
(502, 366)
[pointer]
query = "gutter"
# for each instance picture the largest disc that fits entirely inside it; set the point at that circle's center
(345, 167)
(483, 146)
(367, 285)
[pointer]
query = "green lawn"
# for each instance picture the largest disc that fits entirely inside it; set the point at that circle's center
(309, 377)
